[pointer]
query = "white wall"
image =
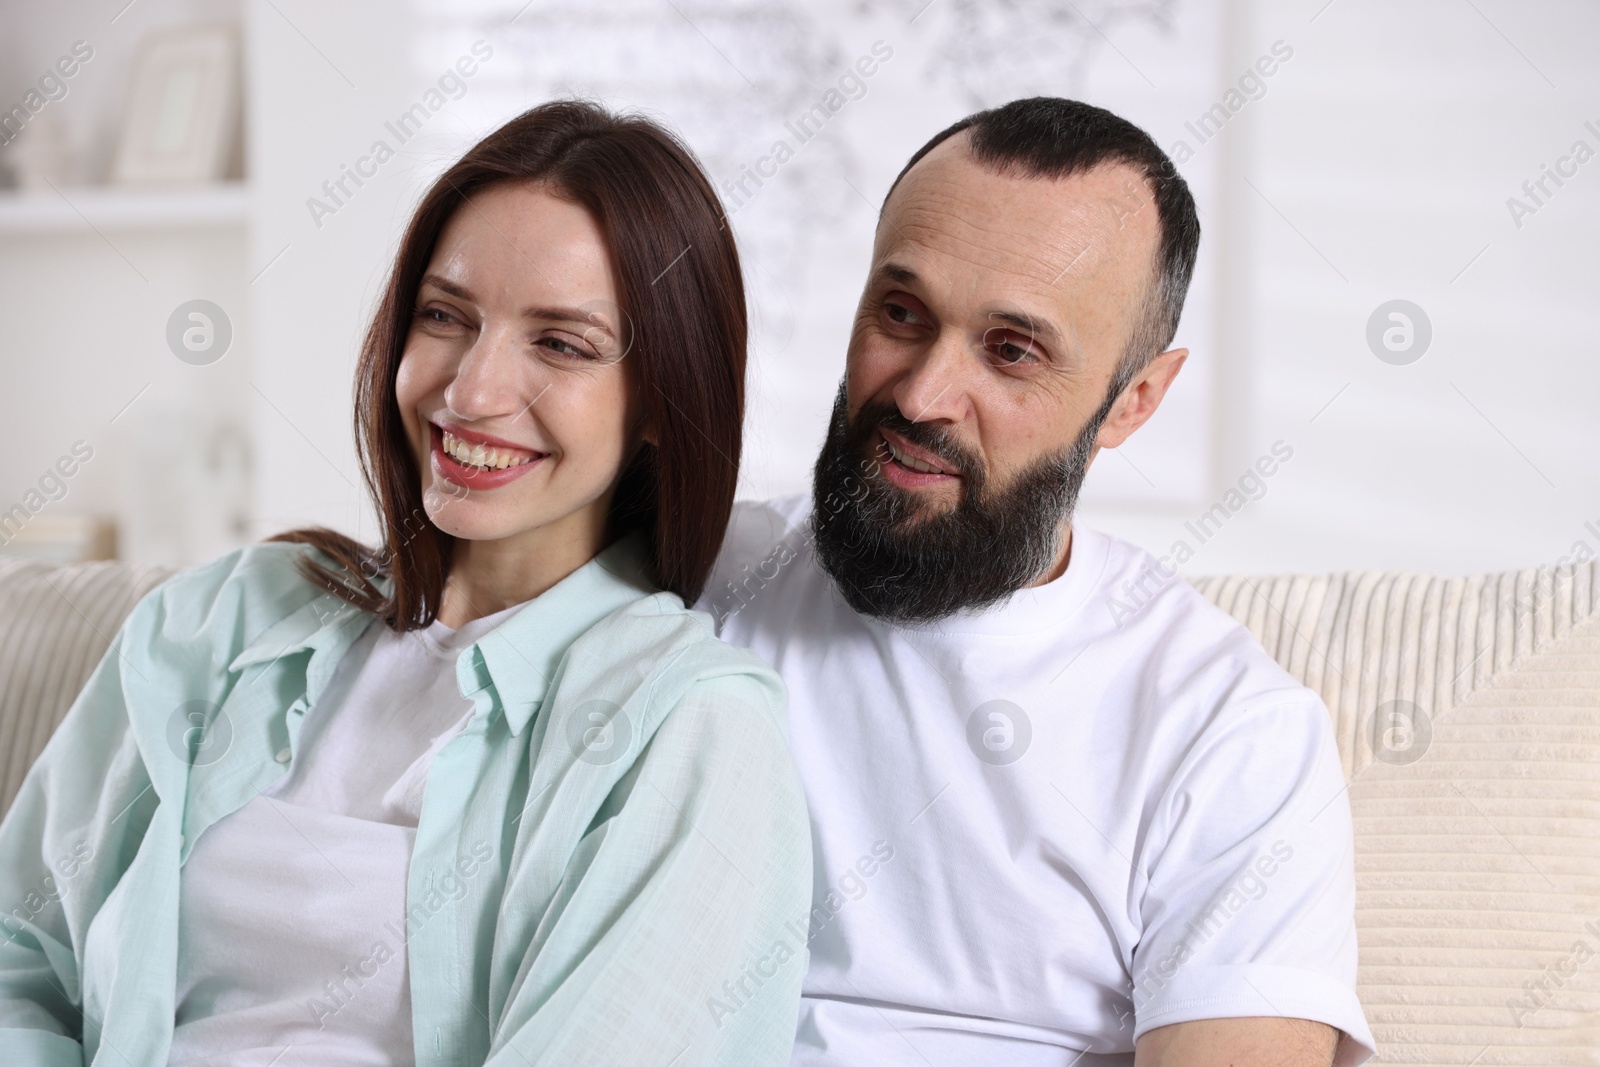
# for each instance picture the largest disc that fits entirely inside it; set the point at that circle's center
(727, 76)
(1381, 160)
(85, 313)
(85, 359)
(324, 79)
(1376, 166)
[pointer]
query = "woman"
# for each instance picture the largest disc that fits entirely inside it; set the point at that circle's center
(490, 793)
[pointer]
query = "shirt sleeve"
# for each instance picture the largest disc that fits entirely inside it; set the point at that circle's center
(1249, 908)
(679, 935)
(62, 848)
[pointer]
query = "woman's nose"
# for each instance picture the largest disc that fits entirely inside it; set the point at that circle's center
(488, 379)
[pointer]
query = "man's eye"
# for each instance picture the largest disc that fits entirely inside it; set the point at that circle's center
(1007, 351)
(901, 314)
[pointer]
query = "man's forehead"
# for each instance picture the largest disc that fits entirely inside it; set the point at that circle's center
(1042, 233)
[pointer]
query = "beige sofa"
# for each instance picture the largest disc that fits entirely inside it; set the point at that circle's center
(1476, 795)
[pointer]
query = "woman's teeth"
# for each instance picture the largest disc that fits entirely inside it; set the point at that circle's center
(479, 455)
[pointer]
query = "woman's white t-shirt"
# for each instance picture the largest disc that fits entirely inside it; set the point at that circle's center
(291, 946)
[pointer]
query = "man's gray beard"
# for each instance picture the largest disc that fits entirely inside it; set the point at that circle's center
(892, 561)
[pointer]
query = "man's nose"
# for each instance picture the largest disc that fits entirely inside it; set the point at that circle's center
(935, 385)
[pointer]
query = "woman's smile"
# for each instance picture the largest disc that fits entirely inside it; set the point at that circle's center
(474, 461)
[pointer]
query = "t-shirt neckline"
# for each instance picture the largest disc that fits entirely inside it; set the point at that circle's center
(1032, 609)
(443, 639)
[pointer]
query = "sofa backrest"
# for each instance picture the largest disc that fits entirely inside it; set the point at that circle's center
(1467, 712)
(55, 625)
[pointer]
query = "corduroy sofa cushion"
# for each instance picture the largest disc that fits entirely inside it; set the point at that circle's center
(55, 624)
(1468, 718)
(1467, 712)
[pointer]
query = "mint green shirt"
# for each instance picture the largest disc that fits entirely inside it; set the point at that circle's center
(643, 901)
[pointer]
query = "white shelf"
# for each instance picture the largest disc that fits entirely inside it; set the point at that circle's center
(81, 209)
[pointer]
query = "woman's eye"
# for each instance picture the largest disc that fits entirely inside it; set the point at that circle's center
(562, 348)
(435, 317)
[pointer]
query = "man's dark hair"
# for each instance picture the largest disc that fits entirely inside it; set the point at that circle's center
(1048, 137)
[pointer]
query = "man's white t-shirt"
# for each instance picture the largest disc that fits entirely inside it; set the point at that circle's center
(1046, 828)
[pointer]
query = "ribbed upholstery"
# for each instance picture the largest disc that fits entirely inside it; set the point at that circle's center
(55, 624)
(1478, 853)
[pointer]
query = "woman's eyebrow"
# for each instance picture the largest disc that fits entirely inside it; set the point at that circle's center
(455, 289)
(568, 315)
(549, 314)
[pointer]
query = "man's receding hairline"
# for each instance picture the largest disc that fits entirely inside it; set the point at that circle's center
(1153, 278)
(1045, 136)
(1011, 169)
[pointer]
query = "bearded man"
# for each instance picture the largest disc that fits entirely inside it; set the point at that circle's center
(1047, 831)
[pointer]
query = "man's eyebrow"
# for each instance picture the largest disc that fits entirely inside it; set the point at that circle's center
(553, 314)
(897, 273)
(1034, 327)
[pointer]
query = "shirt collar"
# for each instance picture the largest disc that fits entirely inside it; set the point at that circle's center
(326, 624)
(516, 660)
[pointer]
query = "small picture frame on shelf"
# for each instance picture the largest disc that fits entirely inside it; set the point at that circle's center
(181, 123)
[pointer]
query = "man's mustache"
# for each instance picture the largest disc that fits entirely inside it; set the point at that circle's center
(953, 456)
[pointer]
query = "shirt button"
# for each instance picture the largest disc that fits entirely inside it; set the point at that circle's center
(182, 840)
(282, 756)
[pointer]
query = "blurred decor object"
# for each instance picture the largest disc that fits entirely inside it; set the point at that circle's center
(61, 539)
(185, 484)
(181, 125)
(42, 158)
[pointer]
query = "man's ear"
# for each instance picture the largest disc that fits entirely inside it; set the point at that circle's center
(1141, 398)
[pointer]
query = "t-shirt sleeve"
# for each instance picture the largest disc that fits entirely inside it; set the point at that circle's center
(1249, 908)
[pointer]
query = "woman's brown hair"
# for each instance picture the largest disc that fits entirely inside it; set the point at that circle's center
(682, 296)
